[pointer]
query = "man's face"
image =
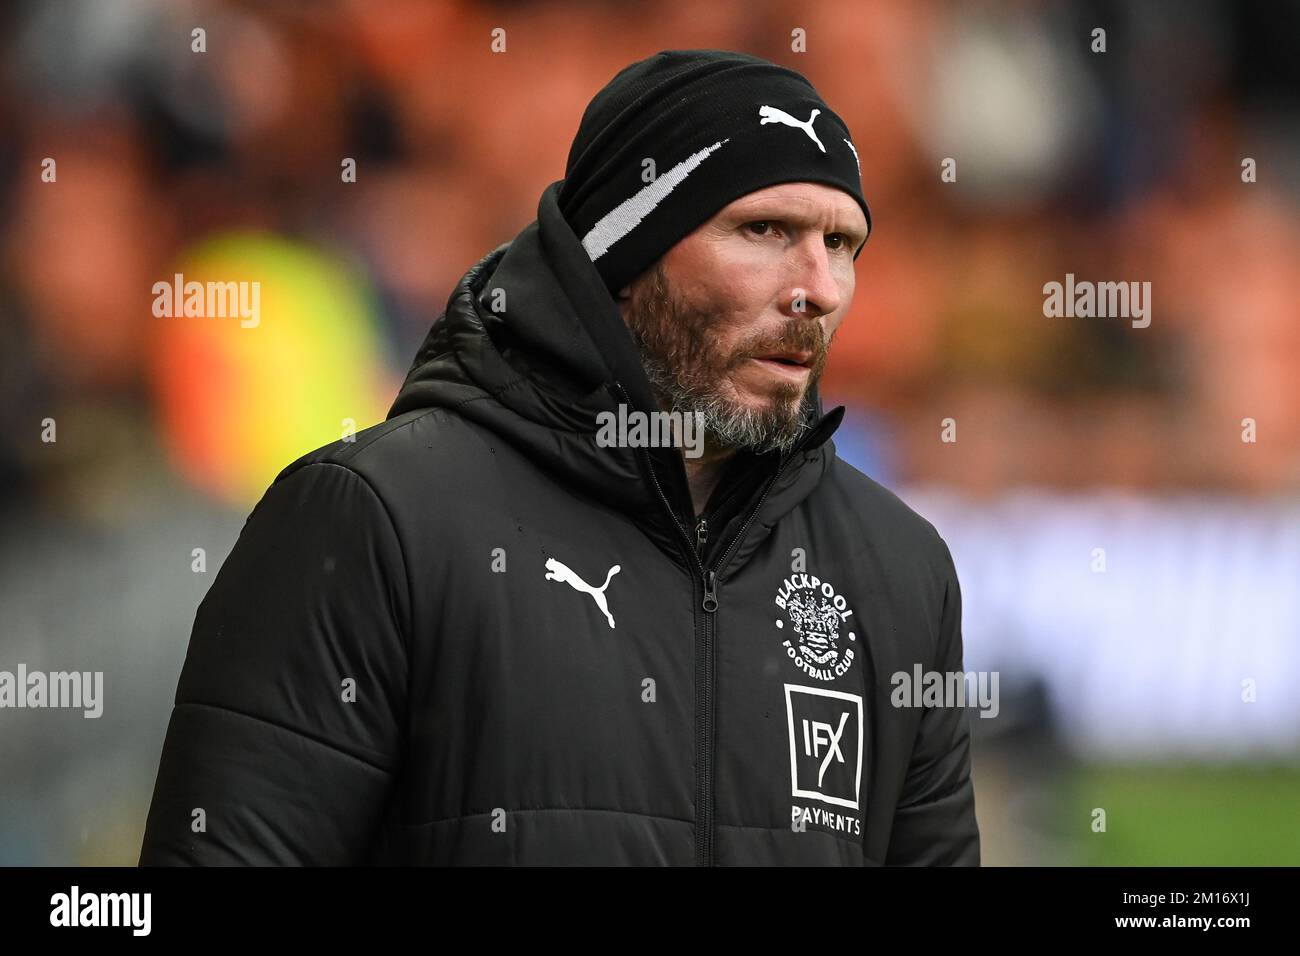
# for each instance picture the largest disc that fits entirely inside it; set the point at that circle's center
(735, 320)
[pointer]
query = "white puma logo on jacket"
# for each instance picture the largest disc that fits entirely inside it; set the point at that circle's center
(555, 571)
(770, 114)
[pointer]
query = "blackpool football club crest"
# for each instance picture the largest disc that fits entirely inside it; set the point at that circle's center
(816, 622)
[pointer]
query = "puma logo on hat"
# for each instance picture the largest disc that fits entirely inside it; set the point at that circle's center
(771, 114)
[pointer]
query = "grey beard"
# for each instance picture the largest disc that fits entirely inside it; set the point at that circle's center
(727, 425)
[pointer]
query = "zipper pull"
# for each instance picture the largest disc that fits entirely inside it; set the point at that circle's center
(710, 592)
(701, 535)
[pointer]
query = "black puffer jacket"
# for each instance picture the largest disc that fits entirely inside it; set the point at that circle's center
(472, 635)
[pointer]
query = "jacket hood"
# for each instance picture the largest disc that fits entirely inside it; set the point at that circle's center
(533, 347)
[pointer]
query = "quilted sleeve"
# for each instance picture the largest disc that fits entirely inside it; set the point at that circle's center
(934, 822)
(289, 715)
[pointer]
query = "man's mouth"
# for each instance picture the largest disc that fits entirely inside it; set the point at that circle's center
(790, 358)
(791, 365)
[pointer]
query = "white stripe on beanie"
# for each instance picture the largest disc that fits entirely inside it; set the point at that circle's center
(627, 215)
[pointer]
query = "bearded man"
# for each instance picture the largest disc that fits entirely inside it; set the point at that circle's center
(476, 635)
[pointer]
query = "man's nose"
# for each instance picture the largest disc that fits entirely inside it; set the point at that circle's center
(813, 291)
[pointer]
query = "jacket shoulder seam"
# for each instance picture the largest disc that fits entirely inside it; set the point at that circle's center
(348, 454)
(343, 455)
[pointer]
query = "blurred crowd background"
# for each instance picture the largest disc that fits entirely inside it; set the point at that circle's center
(1122, 682)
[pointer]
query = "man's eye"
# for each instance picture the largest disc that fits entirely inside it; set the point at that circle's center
(842, 241)
(760, 226)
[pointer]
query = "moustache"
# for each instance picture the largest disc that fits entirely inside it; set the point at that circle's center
(800, 337)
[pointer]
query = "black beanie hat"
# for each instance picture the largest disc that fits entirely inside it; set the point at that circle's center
(717, 125)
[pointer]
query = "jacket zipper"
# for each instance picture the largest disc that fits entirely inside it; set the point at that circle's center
(704, 661)
(710, 606)
(703, 683)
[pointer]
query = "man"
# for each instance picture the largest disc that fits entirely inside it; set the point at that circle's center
(483, 633)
